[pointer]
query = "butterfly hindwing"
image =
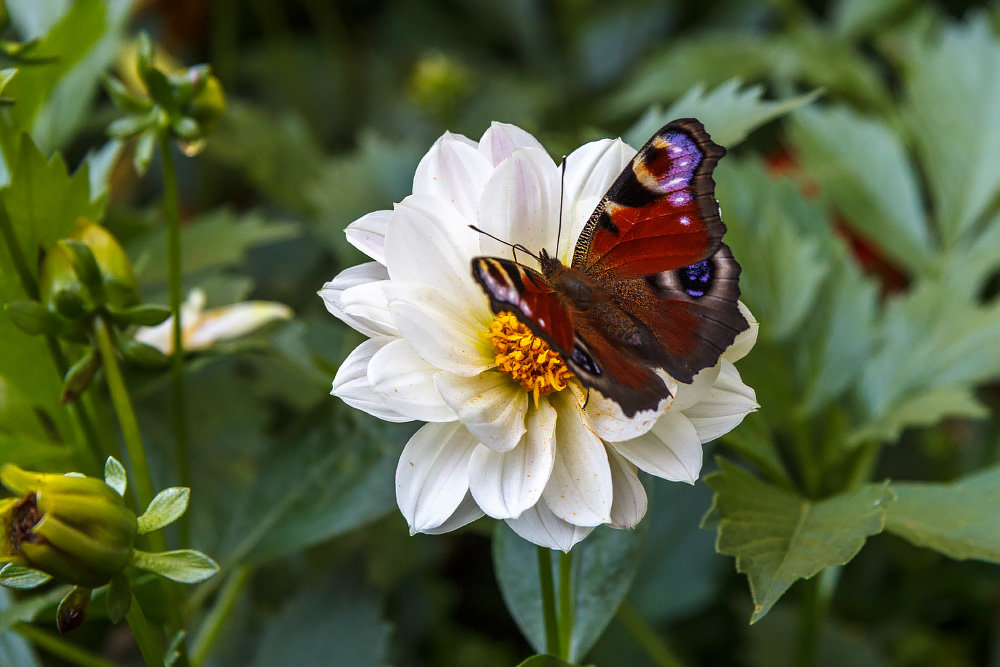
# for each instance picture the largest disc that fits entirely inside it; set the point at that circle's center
(661, 212)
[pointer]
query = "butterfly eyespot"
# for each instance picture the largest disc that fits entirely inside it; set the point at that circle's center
(696, 279)
(584, 361)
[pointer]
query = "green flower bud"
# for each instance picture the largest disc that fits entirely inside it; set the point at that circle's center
(86, 271)
(76, 529)
(209, 104)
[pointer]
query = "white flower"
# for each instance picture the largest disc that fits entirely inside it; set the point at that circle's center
(552, 463)
(202, 328)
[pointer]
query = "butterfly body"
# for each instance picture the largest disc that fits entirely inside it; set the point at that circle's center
(651, 288)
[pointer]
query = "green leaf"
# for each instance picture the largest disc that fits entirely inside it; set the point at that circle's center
(72, 609)
(863, 171)
(22, 578)
(14, 649)
(68, 41)
(957, 519)
(184, 565)
(952, 94)
(28, 609)
(80, 375)
(33, 318)
(119, 598)
(30, 451)
(144, 315)
(728, 112)
(857, 18)
(336, 617)
(778, 537)
(114, 475)
(605, 564)
(142, 354)
(168, 506)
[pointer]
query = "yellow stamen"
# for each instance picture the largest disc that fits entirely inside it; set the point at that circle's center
(526, 357)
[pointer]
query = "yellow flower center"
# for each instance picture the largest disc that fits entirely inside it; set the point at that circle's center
(526, 357)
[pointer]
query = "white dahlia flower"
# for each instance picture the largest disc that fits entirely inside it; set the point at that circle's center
(510, 432)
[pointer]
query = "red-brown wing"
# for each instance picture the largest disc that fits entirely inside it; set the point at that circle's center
(526, 293)
(660, 213)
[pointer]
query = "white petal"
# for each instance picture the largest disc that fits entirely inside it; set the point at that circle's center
(671, 450)
(610, 423)
(367, 234)
(231, 322)
(724, 406)
(689, 394)
(630, 501)
(351, 383)
(406, 382)
(441, 332)
(745, 340)
(541, 526)
(368, 307)
(505, 484)
(333, 291)
(501, 139)
(453, 172)
(521, 203)
(432, 245)
(467, 512)
(580, 489)
(432, 477)
(590, 171)
(490, 404)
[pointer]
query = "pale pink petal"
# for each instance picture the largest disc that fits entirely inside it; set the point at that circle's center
(745, 340)
(501, 139)
(431, 245)
(724, 405)
(432, 477)
(444, 334)
(467, 512)
(505, 484)
(590, 171)
(580, 488)
(671, 450)
(367, 234)
(540, 526)
(406, 382)
(630, 500)
(491, 405)
(455, 172)
(521, 203)
(351, 383)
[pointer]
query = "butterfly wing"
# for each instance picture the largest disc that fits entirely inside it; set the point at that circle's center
(654, 244)
(594, 355)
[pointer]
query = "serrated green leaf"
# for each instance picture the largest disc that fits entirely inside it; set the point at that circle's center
(729, 112)
(168, 506)
(605, 564)
(22, 578)
(119, 598)
(862, 170)
(184, 565)
(952, 94)
(114, 475)
(778, 537)
(957, 519)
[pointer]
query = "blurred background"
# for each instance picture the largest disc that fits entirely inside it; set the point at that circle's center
(854, 127)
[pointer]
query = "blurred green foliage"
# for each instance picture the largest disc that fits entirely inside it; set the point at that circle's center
(862, 197)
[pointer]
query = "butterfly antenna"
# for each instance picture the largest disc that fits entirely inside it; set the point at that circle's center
(562, 189)
(513, 246)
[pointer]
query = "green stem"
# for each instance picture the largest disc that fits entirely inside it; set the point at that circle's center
(813, 607)
(59, 647)
(863, 466)
(171, 211)
(142, 480)
(89, 454)
(547, 584)
(567, 610)
(149, 644)
(217, 616)
(650, 642)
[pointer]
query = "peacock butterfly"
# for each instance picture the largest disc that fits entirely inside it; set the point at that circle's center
(651, 285)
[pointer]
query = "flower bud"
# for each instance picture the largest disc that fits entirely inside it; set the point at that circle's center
(208, 104)
(86, 271)
(76, 529)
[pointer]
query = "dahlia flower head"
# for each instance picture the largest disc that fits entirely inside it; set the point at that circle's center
(510, 432)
